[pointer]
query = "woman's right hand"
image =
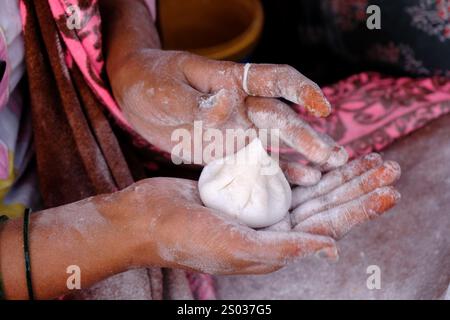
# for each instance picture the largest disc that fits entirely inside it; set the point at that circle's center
(162, 222)
(169, 227)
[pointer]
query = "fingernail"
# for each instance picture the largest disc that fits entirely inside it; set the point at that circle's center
(375, 157)
(315, 102)
(393, 166)
(330, 253)
(397, 195)
(338, 158)
(311, 178)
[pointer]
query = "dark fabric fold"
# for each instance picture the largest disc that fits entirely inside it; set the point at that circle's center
(78, 154)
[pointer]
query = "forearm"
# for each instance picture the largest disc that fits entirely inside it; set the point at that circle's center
(73, 235)
(127, 28)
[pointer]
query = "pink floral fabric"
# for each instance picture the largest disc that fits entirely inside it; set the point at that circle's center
(372, 110)
(84, 46)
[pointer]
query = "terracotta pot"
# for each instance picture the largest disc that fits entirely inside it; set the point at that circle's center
(217, 29)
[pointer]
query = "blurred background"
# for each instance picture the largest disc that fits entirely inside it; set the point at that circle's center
(326, 39)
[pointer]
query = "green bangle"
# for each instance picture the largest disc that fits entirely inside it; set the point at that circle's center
(2, 291)
(26, 252)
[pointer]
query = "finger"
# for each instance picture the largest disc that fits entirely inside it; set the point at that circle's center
(262, 80)
(335, 178)
(282, 81)
(339, 160)
(339, 221)
(282, 226)
(331, 254)
(382, 176)
(274, 114)
(300, 174)
(239, 249)
(279, 248)
(208, 75)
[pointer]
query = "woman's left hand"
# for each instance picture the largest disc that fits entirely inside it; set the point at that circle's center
(348, 196)
(162, 91)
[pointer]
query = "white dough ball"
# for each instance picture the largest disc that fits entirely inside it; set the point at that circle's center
(248, 185)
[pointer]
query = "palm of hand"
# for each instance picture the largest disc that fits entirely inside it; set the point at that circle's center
(188, 235)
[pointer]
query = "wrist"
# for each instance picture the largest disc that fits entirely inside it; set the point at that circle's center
(131, 213)
(70, 236)
(121, 19)
(114, 236)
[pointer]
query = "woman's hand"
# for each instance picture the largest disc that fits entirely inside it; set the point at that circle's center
(172, 228)
(348, 196)
(166, 225)
(155, 222)
(162, 91)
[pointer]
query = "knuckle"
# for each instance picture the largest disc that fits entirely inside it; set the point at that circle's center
(287, 70)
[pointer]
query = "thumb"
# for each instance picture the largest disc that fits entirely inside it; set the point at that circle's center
(218, 107)
(282, 247)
